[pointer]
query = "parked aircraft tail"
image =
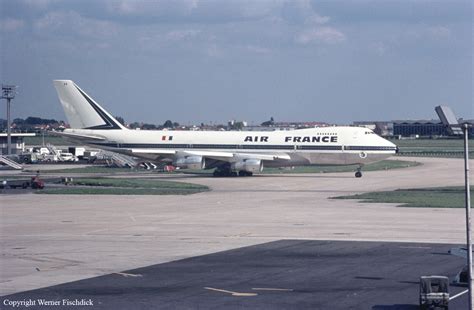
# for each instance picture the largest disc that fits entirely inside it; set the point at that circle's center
(81, 110)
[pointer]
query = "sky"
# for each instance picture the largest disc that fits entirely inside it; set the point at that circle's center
(211, 61)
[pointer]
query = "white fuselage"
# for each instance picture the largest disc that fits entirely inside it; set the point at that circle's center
(316, 146)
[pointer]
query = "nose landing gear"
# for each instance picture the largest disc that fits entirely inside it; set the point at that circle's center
(358, 173)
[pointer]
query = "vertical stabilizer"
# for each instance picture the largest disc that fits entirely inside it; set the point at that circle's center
(81, 110)
(447, 117)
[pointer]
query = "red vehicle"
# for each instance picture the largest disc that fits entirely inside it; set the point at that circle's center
(37, 183)
(34, 183)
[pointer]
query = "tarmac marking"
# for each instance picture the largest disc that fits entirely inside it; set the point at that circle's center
(95, 231)
(231, 293)
(415, 247)
(272, 289)
(126, 275)
(457, 295)
(238, 235)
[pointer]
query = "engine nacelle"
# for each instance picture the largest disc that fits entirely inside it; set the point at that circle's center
(190, 162)
(249, 165)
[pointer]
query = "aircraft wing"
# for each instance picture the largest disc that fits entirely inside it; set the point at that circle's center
(231, 156)
(221, 156)
(158, 152)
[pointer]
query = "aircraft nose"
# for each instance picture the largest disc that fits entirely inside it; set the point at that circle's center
(391, 145)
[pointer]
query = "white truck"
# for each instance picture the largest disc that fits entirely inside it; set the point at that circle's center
(434, 292)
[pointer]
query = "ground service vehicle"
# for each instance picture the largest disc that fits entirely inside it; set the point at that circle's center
(434, 292)
(34, 183)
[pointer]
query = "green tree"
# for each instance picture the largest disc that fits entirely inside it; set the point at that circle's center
(120, 120)
(168, 124)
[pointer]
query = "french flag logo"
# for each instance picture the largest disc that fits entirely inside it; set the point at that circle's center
(167, 138)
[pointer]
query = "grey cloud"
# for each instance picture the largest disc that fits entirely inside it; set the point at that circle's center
(320, 35)
(72, 24)
(11, 24)
(170, 11)
(407, 11)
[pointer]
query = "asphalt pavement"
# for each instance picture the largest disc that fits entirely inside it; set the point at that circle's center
(285, 274)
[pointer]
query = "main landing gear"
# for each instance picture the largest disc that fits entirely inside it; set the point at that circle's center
(230, 173)
(358, 173)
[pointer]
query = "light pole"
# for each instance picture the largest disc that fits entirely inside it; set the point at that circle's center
(465, 128)
(8, 92)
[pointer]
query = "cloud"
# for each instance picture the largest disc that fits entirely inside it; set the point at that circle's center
(72, 24)
(11, 24)
(439, 31)
(326, 35)
(396, 11)
(38, 4)
(302, 12)
(426, 32)
(257, 49)
(317, 19)
(214, 51)
(179, 35)
(182, 11)
(380, 48)
(150, 8)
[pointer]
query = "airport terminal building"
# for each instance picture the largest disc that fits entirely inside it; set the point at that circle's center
(422, 128)
(411, 128)
(18, 145)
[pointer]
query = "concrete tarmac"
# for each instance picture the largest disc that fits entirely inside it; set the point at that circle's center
(286, 274)
(52, 239)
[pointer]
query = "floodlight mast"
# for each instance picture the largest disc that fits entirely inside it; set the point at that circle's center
(465, 128)
(8, 92)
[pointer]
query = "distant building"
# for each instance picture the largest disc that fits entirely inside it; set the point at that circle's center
(410, 128)
(18, 145)
(407, 128)
(424, 128)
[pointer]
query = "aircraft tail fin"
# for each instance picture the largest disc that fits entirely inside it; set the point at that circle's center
(82, 112)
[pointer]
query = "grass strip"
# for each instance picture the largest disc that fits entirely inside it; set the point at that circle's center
(109, 186)
(436, 197)
(136, 183)
(382, 165)
(117, 191)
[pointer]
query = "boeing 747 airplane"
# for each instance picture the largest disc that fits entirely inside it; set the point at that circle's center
(229, 152)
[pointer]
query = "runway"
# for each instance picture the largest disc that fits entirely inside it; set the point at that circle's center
(48, 240)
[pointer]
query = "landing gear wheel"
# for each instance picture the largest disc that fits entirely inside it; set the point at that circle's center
(243, 173)
(358, 174)
(222, 173)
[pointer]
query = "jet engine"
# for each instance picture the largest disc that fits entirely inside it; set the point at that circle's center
(249, 165)
(190, 162)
